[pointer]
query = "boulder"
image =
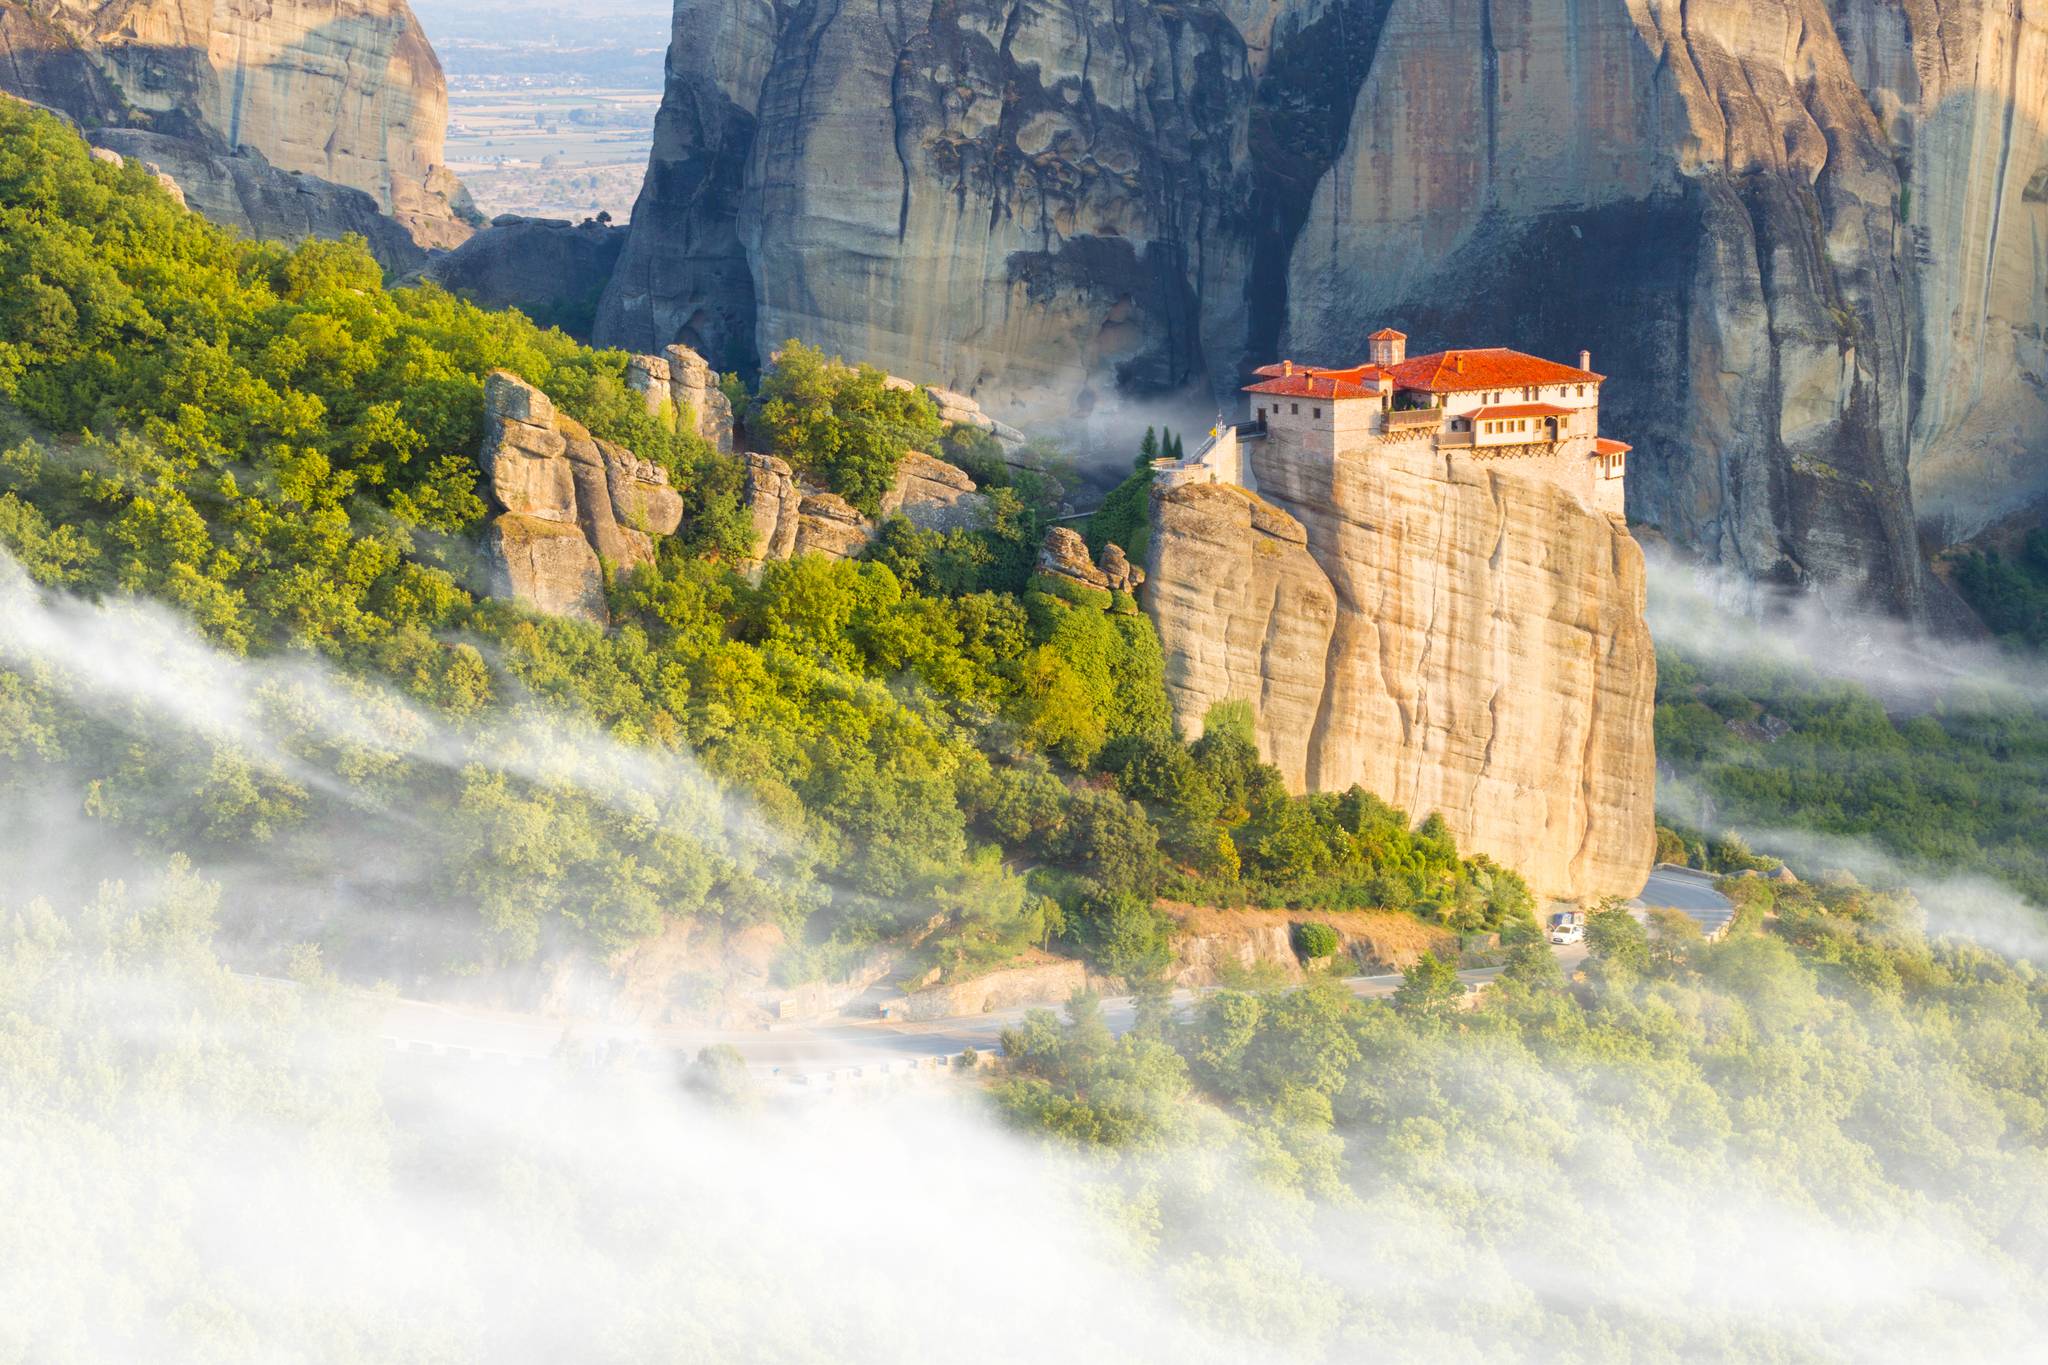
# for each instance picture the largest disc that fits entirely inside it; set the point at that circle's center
(829, 525)
(933, 495)
(1116, 566)
(1064, 555)
(547, 565)
(775, 504)
(792, 516)
(680, 380)
(543, 469)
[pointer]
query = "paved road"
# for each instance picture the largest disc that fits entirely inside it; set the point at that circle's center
(1681, 888)
(449, 1030)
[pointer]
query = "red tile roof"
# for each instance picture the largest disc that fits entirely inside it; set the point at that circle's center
(1520, 410)
(1603, 446)
(1356, 374)
(1308, 381)
(1387, 334)
(1312, 386)
(1494, 367)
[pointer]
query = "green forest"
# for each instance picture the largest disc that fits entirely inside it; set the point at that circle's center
(1960, 786)
(1824, 1061)
(948, 746)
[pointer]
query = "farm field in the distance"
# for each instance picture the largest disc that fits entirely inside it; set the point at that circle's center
(550, 151)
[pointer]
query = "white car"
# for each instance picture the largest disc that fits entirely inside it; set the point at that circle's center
(1568, 926)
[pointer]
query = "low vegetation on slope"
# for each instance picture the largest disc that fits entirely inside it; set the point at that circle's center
(2010, 592)
(1658, 1160)
(940, 745)
(1959, 787)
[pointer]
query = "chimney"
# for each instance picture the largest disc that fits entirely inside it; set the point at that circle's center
(1585, 360)
(1287, 367)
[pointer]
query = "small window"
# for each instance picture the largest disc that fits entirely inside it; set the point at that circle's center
(1294, 409)
(1262, 414)
(1315, 412)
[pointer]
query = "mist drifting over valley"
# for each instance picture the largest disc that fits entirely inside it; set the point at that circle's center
(203, 1165)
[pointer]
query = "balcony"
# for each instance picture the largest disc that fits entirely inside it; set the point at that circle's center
(1412, 419)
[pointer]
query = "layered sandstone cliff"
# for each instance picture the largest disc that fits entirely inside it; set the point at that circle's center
(566, 505)
(284, 108)
(1014, 200)
(1450, 636)
(1808, 240)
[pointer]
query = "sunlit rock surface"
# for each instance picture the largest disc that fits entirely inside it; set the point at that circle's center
(566, 504)
(1449, 636)
(271, 102)
(794, 517)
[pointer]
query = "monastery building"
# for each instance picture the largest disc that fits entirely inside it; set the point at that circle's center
(1536, 416)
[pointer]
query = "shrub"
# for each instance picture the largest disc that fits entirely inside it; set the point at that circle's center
(1316, 940)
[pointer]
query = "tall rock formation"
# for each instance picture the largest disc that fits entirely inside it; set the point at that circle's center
(280, 117)
(565, 504)
(1021, 200)
(1808, 241)
(1451, 636)
(679, 381)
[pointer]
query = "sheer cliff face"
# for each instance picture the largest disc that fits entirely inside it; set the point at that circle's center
(1805, 237)
(1025, 202)
(1961, 94)
(1452, 637)
(1499, 153)
(348, 91)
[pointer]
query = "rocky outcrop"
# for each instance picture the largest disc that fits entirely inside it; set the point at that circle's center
(959, 409)
(1210, 947)
(1244, 612)
(252, 97)
(774, 504)
(792, 517)
(1064, 556)
(1452, 637)
(1039, 979)
(245, 192)
(1808, 241)
(164, 180)
(549, 269)
(678, 381)
(566, 504)
(933, 495)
